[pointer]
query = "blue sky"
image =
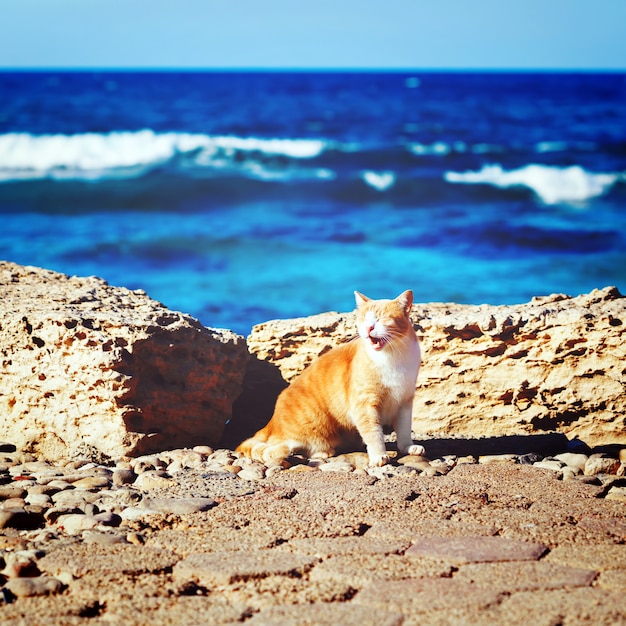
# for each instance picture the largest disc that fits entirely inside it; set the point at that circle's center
(543, 34)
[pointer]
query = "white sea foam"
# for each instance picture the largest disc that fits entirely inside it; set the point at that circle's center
(93, 155)
(553, 185)
(381, 181)
(439, 147)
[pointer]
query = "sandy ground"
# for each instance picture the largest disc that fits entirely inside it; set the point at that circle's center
(484, 544)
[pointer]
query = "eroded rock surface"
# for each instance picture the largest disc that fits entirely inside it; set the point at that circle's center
(553, 364)
(86, 368)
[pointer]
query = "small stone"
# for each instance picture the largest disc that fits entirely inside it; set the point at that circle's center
(58, 484)
(76, 498)
(530, 458)
(74, 524)
(588, 480)
(39, 586)
(39, 499)
(622, 455)
(8, 492)
(92, 483)
(108, 518)
(303, 468)
(554, 466)
(417, 462)
(358, 460)
(617, 493)
(497, 458)
(569, 473)
(53, 513)
(572, 460)
(466, 460)
(599, 464)
(251, 473)
(336, 466)
(18, 565)
(206, 450)
(123, 476)
(13, 503)
(135, 538)
(152, 479)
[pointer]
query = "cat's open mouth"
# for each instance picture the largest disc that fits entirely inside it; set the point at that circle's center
(377, 342)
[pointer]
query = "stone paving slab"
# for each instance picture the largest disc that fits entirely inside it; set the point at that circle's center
(610, 526)
(359, 570)
(222, 568)
(613, 579)
(515, 576)
(82, 558)
(322, 546)
(209, 539)
(395, 529)
(426, 594)
(600, 556)
(566, 607)
(584, 605)
(174, 611)
(325, 614)
(476, 549)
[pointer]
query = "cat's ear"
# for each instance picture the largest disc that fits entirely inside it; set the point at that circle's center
(405, 300)
(360, 298)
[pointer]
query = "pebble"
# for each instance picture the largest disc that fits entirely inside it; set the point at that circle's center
(552, 465)
(599, 464)
(75, 523)
(35, 586)
(82, 498)
(123, 476)
(617, 493)
(336, 466)
(572, 459)
(152, 479)
(251, 473)
(498, 458)
(92, 483)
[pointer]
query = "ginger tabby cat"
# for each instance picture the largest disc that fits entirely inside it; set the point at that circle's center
(358, 387)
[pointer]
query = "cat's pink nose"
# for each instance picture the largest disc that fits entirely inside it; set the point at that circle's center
(370, 329)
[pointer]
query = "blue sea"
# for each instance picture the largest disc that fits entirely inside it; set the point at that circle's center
(241, 197)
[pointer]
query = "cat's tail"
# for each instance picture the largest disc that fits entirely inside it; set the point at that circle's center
(259, 449)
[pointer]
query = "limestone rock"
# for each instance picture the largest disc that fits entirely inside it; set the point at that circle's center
(93, 370)
(553, 364)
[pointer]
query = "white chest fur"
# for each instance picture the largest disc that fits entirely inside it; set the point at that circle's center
(398, 368)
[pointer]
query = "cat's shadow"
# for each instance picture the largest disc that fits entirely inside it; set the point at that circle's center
(262, 383)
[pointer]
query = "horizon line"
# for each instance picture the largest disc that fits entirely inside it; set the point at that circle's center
(312, 70)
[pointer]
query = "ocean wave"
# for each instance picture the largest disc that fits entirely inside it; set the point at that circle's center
(91, 156)
(381, 181)
(552, 185)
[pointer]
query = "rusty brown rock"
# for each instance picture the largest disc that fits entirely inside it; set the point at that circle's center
(89, 369)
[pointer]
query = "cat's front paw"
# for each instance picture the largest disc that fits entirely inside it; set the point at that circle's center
(417, 450)
(377, 460)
